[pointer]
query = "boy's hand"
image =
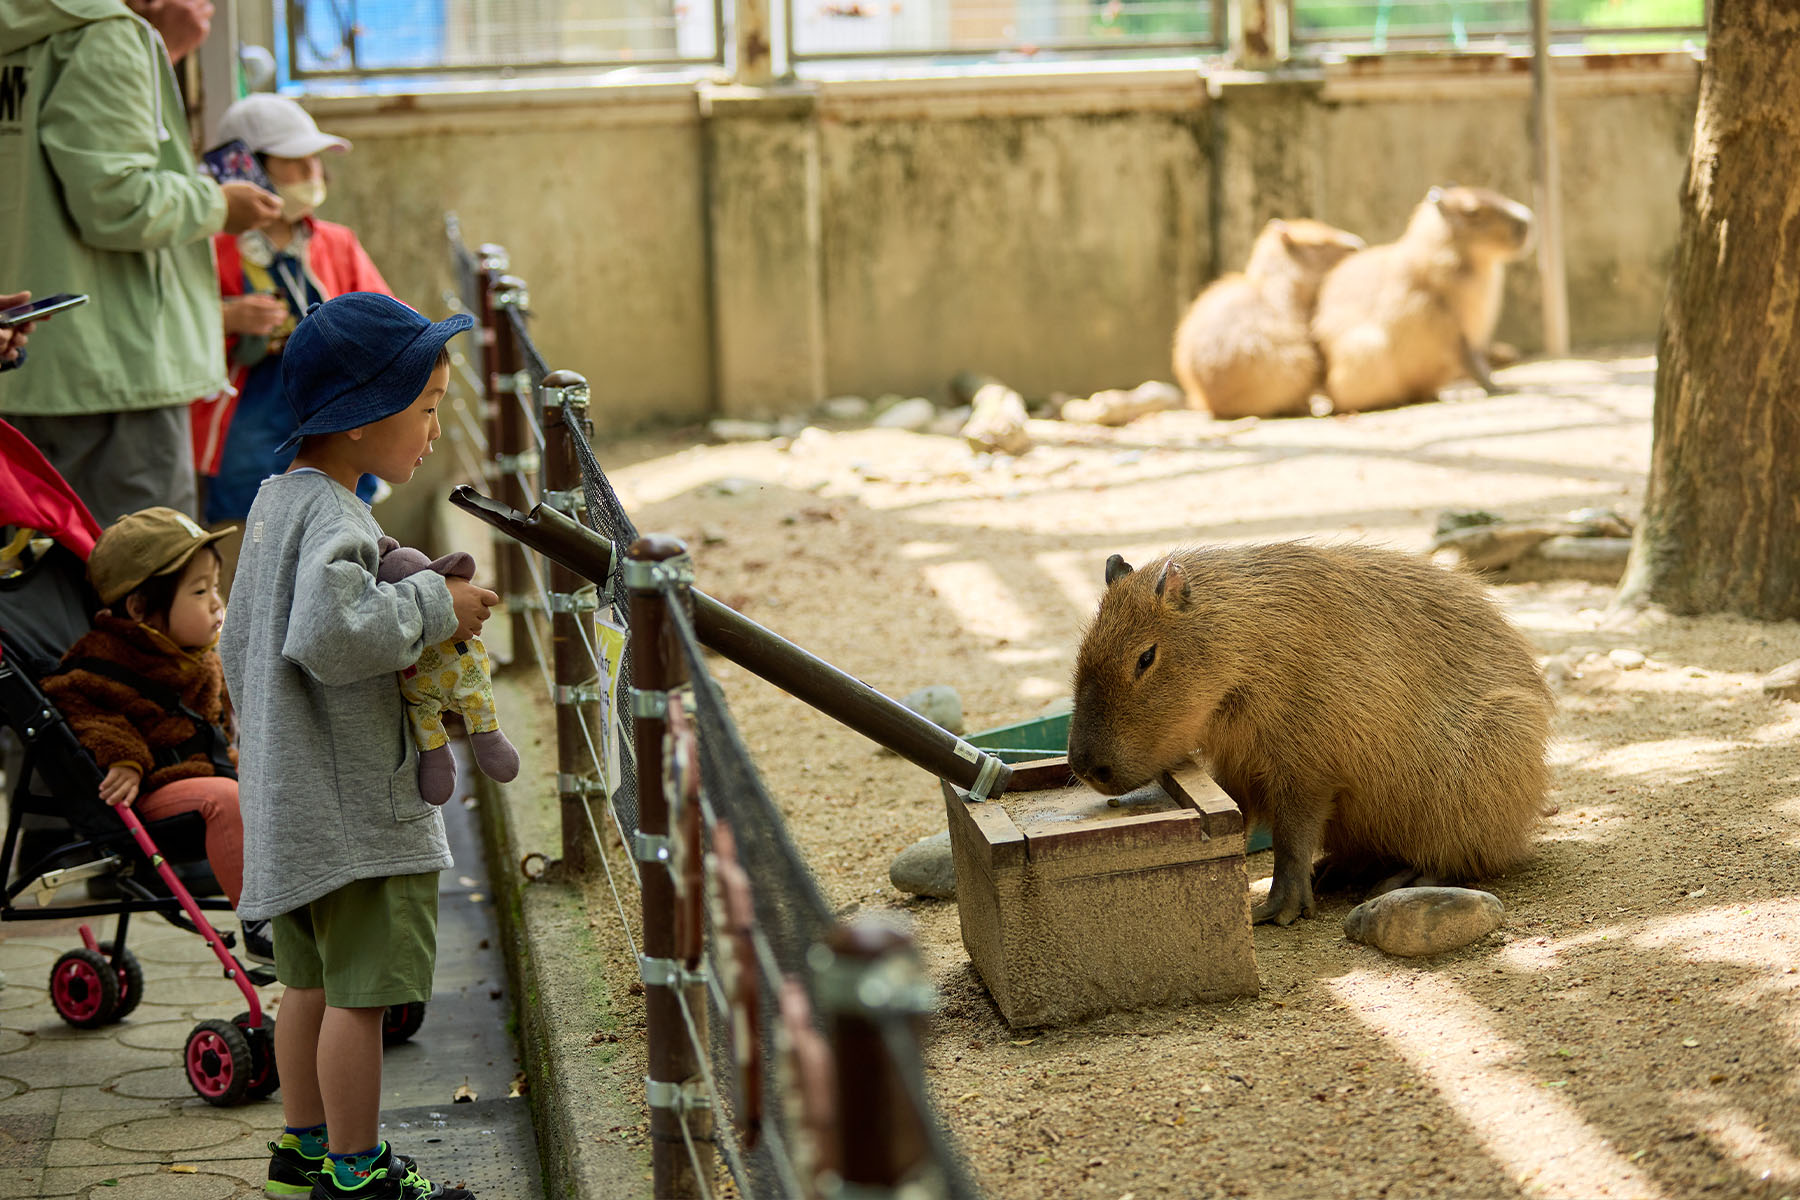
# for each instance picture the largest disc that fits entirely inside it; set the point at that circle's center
(248, 206)
(471, 603)
(120, 787)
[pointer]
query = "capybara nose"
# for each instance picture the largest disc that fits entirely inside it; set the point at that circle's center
(1100, 774)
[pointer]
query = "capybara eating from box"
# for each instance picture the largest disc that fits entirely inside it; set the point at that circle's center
(1353, 700)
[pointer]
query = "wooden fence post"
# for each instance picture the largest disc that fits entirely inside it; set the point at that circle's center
(514, 454)
(676, 1089)
(573, 600)
(868, 973)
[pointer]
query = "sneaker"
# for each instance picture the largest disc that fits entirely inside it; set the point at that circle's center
(258, 947)
(291, 1171)
(392, 1177)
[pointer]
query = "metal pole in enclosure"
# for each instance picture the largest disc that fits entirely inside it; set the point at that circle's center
(514, 455)
(868, 974)
(845, 698)
(573, 600)
(1551, 269)
(677, 1093)
(1257, 32)
(755, 64)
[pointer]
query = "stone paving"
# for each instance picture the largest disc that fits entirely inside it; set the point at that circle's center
(108, 1113)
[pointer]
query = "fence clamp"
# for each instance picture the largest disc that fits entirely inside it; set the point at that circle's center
(579, 785)
(580, 693)
(682, 1097)
(565, 502)
(651, 847)
(642, 575)
(509, 292)
(581, 600)
(525, 462)
(891, 987)
(518, 383)
(649, 704)
(667, 972)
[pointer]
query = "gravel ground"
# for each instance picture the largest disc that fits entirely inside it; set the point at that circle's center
(1629, 1031)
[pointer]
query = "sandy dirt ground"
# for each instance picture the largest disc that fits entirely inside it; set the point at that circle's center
(1631, 1030)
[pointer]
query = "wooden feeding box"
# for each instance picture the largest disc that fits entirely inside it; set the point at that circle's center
(1073, 906)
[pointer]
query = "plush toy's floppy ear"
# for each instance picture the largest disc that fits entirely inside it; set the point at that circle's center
(460, 565)
(385, 544)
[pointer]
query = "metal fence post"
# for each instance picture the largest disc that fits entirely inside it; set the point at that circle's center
(676, 1090)
(514, 454)
(1257, 33)
(868, 974)
(572, 601)
(754, 65)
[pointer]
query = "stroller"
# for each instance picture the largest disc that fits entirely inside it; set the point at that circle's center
(59, 833)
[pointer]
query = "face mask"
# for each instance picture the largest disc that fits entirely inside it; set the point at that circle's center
(299, 199)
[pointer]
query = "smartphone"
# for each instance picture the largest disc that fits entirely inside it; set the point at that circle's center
(234, 161)
(37, 310)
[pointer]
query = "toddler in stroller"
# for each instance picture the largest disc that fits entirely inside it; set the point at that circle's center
(60, 832)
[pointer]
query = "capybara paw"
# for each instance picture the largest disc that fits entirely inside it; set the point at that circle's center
(495, 755)
(1280, 910)
(437, 775)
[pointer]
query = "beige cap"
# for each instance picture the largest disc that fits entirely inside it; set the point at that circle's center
(143, 545)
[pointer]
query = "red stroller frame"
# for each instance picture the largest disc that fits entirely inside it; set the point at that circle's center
(227, 1062)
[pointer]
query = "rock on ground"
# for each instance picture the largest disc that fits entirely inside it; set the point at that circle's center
(997, 425)
(926, 868)
(1121, 407)
(914, 415)
(1416, 921)
(1784, 681)
(939, 703)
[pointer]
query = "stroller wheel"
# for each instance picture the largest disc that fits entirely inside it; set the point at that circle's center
(401, 1021)
(263, 1077)
(131, 979)
(219, 1063)
(84, 988)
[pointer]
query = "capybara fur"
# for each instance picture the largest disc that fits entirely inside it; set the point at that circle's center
(1399, 321)
(1351, 699)
(1245, 348)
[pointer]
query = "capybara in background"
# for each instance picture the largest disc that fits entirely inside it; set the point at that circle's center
(1352, 699)
(1245, 348)
(1397, 322)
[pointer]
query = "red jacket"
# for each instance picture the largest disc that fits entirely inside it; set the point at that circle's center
(339, 265)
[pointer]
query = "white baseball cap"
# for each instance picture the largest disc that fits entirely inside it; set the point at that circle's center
(276, 125)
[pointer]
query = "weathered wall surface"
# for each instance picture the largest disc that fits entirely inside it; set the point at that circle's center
(701, 251)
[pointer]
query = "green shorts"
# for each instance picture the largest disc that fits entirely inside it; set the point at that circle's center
(371, 943)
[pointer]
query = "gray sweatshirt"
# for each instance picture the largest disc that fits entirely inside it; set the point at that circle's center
(328, 774)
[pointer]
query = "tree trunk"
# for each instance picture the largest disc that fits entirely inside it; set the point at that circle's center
(1721, 527)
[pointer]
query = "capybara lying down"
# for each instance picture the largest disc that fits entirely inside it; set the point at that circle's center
(1355, 700)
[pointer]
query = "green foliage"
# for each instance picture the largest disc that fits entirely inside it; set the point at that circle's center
(1455, 21)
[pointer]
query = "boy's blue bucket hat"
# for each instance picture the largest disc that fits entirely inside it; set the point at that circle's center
(356, 359)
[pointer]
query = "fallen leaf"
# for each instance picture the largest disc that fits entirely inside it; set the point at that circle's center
(966, 1096)
(467, 881)
(1690, 1043)
(182, 1169)
(1715, 1079)
(1697, 892)
(476, 897)
(463, 1094)
(518, 1087)
(1024, 1041)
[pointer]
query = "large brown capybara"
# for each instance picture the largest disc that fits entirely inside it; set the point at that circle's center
(1245, 347)
(1399, 321)
(1355, 700)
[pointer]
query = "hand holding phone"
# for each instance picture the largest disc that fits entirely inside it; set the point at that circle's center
(20, 316)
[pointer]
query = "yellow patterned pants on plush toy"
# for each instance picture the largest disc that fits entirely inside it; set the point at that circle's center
(449, 677)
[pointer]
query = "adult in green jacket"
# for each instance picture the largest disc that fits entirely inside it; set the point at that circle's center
(99, 194)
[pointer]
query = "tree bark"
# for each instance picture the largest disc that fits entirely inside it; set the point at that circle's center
(1721, 527)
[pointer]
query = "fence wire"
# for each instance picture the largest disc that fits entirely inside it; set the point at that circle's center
(770, 1159)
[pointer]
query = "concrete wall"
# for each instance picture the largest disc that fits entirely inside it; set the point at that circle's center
(704, 250)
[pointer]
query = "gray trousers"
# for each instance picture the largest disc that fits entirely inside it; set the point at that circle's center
(121, 462)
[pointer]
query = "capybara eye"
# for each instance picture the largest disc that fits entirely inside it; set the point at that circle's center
(1145, 659)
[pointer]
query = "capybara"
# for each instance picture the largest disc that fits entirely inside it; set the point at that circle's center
(1245, 348)
(1352, 699)
(1399, 321)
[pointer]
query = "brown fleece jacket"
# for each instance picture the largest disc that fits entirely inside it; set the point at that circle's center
(120, 726)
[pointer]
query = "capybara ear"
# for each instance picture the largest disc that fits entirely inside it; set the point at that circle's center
(1172, 585)
(1116, 569)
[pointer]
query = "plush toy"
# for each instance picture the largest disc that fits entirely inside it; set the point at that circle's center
(451, 676)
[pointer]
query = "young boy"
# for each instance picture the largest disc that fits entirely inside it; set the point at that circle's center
(339, 848)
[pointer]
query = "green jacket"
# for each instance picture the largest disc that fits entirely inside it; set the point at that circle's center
(99, 194)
